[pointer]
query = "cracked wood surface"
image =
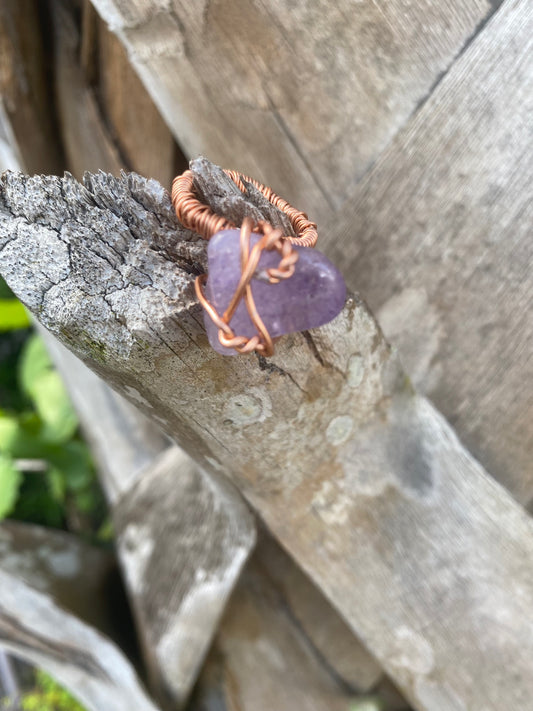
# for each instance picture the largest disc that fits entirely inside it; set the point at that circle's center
(362, 481)
(438, 237)
(181, 563)
(383, 94)
(300, 95)
(167, 538)
(183, 536)
(126, 444)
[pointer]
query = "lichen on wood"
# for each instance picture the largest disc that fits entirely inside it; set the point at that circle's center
(361, 479)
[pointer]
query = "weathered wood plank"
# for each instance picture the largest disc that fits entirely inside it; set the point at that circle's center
(301, 95)
(126, 448)
(35, 628)
(59, 564)
(261, 659)
(183, 539)
(178, 591)
(144, 139)
(86, 139)
(126, 444)
(183, 536)
(327, 632)
(438, 238)
(362, 480)
(25, 87)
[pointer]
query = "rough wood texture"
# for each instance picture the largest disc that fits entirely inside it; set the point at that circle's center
(438, 238)
(362, 480)
(126, 444)
(301, 95)
(182, 536)
(182, 574)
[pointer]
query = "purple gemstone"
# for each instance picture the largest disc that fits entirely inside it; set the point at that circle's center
(311, 297)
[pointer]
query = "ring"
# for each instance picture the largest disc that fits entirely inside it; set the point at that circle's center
(247, 299)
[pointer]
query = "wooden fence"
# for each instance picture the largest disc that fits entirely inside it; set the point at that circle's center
(322, 528)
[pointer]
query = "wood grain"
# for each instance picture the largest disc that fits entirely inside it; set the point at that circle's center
(35, 627)
(86, 139)
(25, 86)
(438, 238)
(423, 554)
(303, 96)
(144, 139)
(182, 536)
(324, 628)
(178, 579)
(193, 565)
(125, 443)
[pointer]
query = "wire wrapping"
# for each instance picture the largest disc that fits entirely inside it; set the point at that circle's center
(198, 217)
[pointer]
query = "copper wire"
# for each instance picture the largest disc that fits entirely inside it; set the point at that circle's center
(198, 217)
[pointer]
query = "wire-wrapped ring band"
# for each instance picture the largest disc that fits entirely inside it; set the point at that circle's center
(198, 217)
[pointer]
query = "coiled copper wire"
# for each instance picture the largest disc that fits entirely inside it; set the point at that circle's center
(198, 217)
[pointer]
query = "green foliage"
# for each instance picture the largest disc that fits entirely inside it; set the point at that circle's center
(13, 315)
(43, 385)
(10, 479)
(47, 695)
(46, 472)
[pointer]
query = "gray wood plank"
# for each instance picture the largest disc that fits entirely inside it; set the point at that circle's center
(36, 628)
(427, 558)
(179, 575)
(182, 535)
(438, 237)
(301, 95)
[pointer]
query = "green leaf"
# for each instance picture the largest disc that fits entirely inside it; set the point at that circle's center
(54, 407)
(74, 461)
(13, 315)
(34, 361)
(21, 436)
(48, 695)
(44, 386)
(9, 430)
(10, 479)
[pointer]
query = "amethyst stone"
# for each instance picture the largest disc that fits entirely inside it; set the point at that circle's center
(311, 297)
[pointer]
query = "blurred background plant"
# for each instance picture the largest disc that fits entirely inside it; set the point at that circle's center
(47, 475)
(45, 695)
